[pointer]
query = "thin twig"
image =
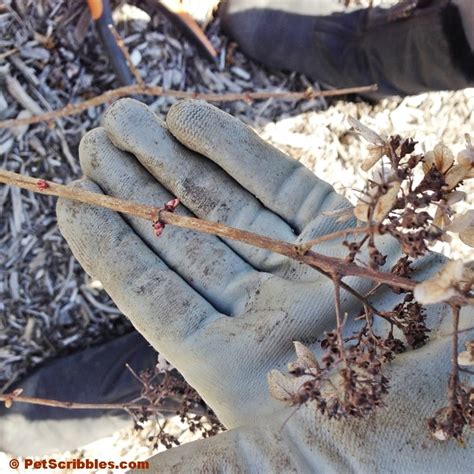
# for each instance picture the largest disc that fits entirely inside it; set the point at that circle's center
(372, 290)
(144, 89)
(8, 53)
(460, 331)
(71, 192)
(339, 318)
(363, 299)
(304, 246)
(330, 265)
(454, 375)
(9, 398)
(124, 49)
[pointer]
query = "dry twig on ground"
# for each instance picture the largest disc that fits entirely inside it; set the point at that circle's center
(144, 89)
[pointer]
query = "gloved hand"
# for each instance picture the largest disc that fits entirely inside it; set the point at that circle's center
(416, 46)
(225, 313)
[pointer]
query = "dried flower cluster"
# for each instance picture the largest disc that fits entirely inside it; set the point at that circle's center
(449, 422)
(410, 197)
(400, 202)
(163, 387)
(342, 384)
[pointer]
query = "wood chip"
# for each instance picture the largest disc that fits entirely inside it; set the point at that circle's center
(17, 91)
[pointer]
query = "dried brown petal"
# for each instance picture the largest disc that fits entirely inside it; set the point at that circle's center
(383, 173)
(282, 387)
(441, 157)
(361, 211)
(305, 357)
(456, 196)
(440, 287)
(462, 221)
(464, 225)
(385, 203)
(426, 165)
(467, 357)
(366, 132)
(455, 175)
(466, 158)
(362, 208)
(467, 236)
(440, 220)
(376, 152)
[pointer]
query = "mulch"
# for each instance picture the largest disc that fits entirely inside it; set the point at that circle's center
(50, 57)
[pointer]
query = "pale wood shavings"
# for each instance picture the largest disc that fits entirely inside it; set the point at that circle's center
(321, 139)
(18, 92)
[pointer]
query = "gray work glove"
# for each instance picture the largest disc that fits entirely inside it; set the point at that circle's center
(414, 47)
(226, 313)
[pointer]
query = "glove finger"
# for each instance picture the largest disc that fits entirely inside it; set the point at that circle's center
(159, 303)
(204, 261)
(201, 185)
(279, 182)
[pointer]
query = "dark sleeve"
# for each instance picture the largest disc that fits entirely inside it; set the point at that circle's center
(410, 52)
(94, 375)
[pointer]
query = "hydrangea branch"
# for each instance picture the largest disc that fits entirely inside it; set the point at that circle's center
(15, 397)
(164, 393)
(330, 265)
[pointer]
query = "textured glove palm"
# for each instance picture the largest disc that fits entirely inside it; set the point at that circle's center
(225, 313)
